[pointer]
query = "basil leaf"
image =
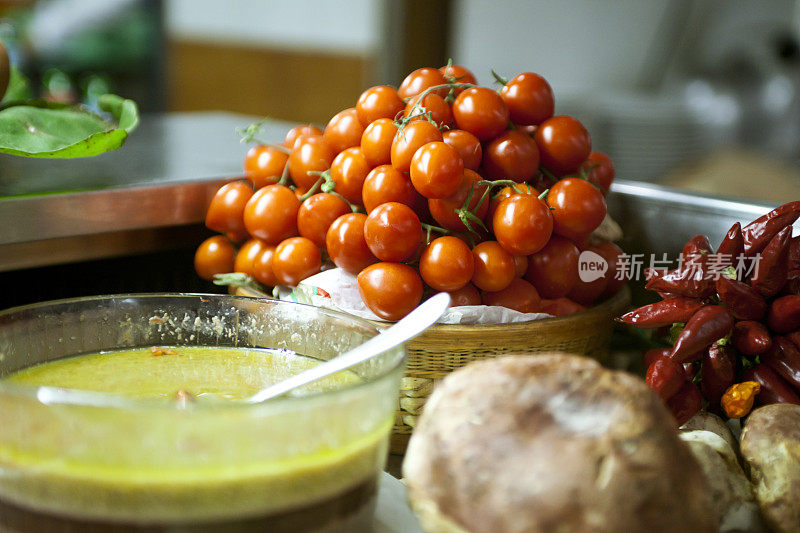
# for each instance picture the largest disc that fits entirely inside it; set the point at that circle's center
(35, 128)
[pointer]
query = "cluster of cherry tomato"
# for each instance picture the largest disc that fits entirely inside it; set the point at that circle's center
(438, 185)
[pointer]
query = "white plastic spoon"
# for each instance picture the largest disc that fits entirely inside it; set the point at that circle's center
(404, 330)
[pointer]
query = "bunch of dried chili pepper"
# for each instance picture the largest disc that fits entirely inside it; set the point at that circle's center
(736, 331)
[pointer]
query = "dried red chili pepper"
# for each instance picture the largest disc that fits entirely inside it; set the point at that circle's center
(708, 325)
(773, 387)
(665, 377)
(663, 313)
(692, 369)
(652, 273)
(718, 372)
(751, 337)
(794, 256)
(695, 247)
(784, 314)
(685, 403)
(784, 359)
(772, 268)
(691, 280)
(744, 302)
(732, 246)
(794, 336)
(792, 283)
(653, 354)
(759, 232)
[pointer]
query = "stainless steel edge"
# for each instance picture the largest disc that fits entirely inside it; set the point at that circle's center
(39, 218)
(659, 220)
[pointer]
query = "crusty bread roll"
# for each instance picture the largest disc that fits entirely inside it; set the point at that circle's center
(705, 421)
(551, 443)
(771, 450)
(732, 494)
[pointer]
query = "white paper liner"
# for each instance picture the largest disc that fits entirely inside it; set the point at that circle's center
(344, 296)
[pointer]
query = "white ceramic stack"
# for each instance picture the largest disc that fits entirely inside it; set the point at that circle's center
(646, 135)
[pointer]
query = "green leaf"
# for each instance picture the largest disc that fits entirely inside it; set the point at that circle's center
(35, 128)
(675, 330)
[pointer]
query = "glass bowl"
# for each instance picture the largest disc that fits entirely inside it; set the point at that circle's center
(91, 461)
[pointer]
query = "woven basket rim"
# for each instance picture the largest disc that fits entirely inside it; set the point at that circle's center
(611, 306)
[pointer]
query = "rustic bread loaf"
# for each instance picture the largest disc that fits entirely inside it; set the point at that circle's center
(552, 443)
(771, 450)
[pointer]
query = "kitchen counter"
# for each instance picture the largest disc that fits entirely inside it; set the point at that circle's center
(140, 198)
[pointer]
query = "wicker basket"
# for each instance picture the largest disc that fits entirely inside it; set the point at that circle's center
(443, 348)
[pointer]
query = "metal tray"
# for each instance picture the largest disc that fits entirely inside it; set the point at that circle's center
(659, 220)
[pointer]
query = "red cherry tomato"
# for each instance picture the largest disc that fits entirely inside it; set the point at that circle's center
(346, 245)
(520, 265)
(390, 290)
(519, 295)
(522, 224)
(434, 105)
(237, 236)
(447, 264)
(376, 142)
(387, 184)
(507, 192)
(295, 259)
(343, 130)
(226, 210)
(585, 293)
(348, 171)
(458, 74)
(247, 255)
(494, 266)
(377, 102)
(553, 270)
(408, 140)
(563, 144)
(578, 207)
(262, 267)
(512, 155)
(309, 154)
(393, 232)
(466, 295)
(263, 165)
(599, 170)
(421, 79)
(529, 98)
(302, 130)
(481, 112)
(444, 210)
(611, 253)
(436, 170)
(215, 255)
(561, 307)
(468, 146)
(271, 214)
(317, 213)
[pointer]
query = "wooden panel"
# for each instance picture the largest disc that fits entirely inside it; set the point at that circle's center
(305, 86)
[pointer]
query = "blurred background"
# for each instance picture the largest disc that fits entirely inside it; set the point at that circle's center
(701, 94)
